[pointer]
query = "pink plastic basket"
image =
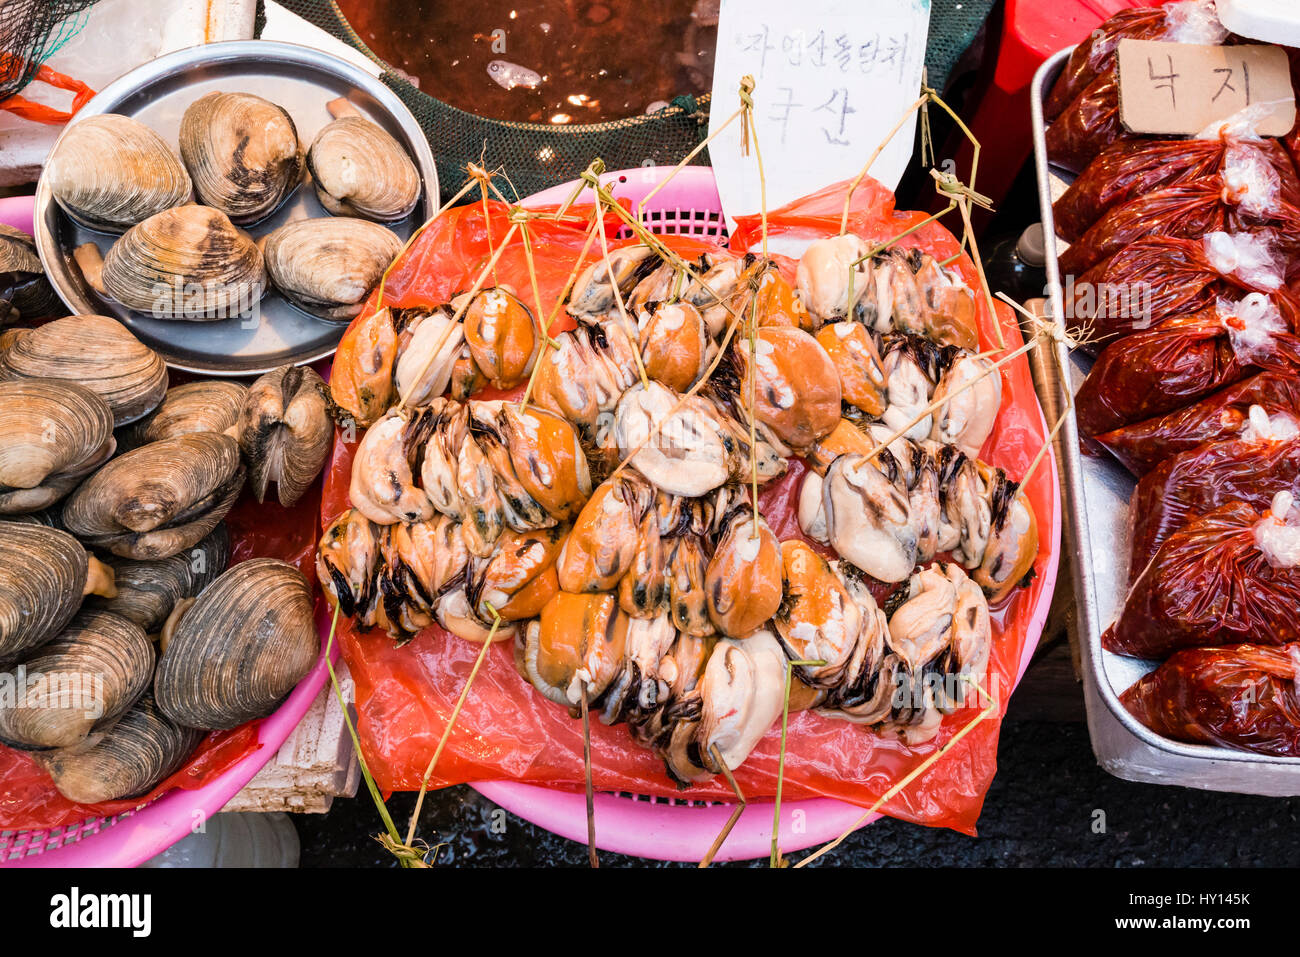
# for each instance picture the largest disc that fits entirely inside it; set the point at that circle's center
(134, 837)
(671, 829)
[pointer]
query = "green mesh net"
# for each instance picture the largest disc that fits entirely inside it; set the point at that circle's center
(540, 155)
(30, 32)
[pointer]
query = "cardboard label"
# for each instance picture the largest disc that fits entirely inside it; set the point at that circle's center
(831, 79)
(1182, 88)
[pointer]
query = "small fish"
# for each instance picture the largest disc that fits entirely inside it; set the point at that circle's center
(510, 75)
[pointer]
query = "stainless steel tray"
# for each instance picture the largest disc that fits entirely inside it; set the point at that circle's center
(1097, 492)
(300, 79)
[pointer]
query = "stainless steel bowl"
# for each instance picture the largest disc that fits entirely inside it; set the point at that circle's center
(300, 79)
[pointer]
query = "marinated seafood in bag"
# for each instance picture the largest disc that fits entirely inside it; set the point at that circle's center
(1218, 203)
(1226, 414)
(1250, 470)
(1182, 360)
(1227, 576)
(1153, 279)
(1240, 696)
(1128, 169)
(1190, 22)
(1083, 107)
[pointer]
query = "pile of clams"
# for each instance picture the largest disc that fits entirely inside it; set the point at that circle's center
(113, 490)
(180, 213)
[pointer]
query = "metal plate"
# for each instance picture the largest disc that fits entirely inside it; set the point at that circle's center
(298, 78)
(1097, 492)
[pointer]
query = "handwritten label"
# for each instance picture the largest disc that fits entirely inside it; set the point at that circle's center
(829, 86)
(1171, 88)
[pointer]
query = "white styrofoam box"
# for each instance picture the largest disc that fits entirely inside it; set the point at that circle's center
(1269, 21)
(315, 764)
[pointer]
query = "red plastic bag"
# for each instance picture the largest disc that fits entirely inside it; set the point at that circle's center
(1211, 583)
(1083, 107)
(1153, 279)
(1241, 696)
(28, 798)
(508, 730)
(1215, 474)
(1128, 169)
(1189, 211)
(1144, 445)
(1156, 371)
(1186, 358)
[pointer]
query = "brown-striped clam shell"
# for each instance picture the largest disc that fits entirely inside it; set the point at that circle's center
(240, 649)
(52, 433)
(159, 499)
(189, 262)
(96, 352)
(208, 405)
(285, 431)
(327, 266)
(147, 591)
(243, 154)
(25, 292)
(358, 169)
(141, 750)
(44, 573)
(93, 671)
(110, 172)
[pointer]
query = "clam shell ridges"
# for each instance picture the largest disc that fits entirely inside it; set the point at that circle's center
(154, 501)
(48, 429)
(205, 406)
(25, 293)
(148, 590)
(110, 172)
(241, 648)
(329, 266)
(96, 352)
(42, 576)
(96, 647)
(285, 431)
(359, 169)
(185, 263)
(243, 153)
(141, 750)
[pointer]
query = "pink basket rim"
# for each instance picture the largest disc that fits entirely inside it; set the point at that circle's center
(681, 832)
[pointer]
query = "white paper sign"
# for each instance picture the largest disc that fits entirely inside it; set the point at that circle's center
(831, 80)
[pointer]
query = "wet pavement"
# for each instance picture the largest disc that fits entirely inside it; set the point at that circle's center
(1050, 805)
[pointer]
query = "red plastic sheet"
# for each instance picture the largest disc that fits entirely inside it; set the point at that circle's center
(508, 730)
(1241, 696)
(28, 798)
(1205, 478)
(1144, 445)
(1209, 584)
